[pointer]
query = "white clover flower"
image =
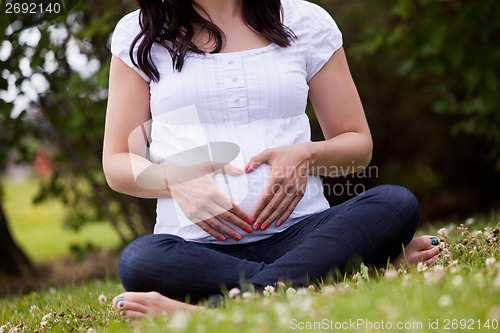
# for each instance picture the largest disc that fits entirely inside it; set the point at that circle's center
(302, 291)
(179, 320)
(246, 295)
(457, 281)
(46, 317)
(455, 269)
(268, 290)
(496, 282)
(429, 277)
(102, 299)
(291, 291)
(442, 232)
(445, 301)
(479, 279)
(437, 268)
(454, 263)
(469, 221)
(5, 327)
(328, 290)
(421, 267)
(91, 330)
(478, 234)
(490, 262)
(43, 323)
(33, 307)
(390, 274)
(234, 292)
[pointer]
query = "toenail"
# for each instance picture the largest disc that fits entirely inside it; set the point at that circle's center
(434, 241)
(121, 305)
(440, 249)
(124, 313)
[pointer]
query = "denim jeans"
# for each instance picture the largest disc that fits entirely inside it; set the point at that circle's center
(373, 226)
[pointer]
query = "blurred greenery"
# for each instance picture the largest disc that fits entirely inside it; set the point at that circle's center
(427, 72)
(39, 231)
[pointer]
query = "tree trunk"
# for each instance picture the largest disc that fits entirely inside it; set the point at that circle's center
(13, 261)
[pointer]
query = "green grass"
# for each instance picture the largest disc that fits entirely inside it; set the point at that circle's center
(462, 295)
(38, 229)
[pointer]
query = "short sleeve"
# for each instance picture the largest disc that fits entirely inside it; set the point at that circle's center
(324, 39)
(124, 34)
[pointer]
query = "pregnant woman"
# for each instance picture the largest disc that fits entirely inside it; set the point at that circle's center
(206, 113)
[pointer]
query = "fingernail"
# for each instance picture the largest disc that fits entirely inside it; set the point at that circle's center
(279, 223)
(257, 226)
(264, 226)
(124, 313)
(248, 229)
(121, 305)
(237, 237)
(255, 218)
(221, 238)
(247, 167)
(238, 169)
(248, 221)
(120, 299)
(434, 241)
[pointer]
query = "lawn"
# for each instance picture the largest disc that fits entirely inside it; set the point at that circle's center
(461, 292)
(39, 230)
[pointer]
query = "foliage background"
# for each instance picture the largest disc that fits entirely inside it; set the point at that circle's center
(427, 72)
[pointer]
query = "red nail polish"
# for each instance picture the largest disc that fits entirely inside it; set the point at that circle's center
(248, 229)
(257, 226)
(255, 218)
(247, 167)
(222, 238)
(279, 223)
(264, 226)
(248, 221)
(237, 237)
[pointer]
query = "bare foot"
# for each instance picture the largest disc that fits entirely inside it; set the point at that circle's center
(136, 305)
(423, 249)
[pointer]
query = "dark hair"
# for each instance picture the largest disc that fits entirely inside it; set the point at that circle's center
(170, 23)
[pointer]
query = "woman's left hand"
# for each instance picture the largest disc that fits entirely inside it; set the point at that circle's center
(286, 186)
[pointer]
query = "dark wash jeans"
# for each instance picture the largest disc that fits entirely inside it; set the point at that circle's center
(373, 226)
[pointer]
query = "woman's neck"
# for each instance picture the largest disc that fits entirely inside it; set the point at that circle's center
(219, 10)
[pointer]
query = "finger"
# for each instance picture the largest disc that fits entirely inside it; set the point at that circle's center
(211, 231)
(274, 209)
(230, 217)
(231, 170)
(132, 314)
(214, 223)
(264, 199)
(230, 212)
(289, 210)
(257, 160)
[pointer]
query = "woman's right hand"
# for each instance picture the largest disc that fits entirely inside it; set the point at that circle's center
(203, 203)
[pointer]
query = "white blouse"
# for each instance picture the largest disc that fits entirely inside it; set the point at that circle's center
(255, 99)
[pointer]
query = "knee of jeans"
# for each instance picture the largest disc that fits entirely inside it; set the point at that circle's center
(402, 200)
(139, 261)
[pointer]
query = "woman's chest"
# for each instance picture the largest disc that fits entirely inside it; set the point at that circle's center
(240, 87)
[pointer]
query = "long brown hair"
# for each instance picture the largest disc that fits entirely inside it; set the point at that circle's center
(170, 23)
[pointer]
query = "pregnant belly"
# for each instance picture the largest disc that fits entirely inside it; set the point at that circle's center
(246, 189)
